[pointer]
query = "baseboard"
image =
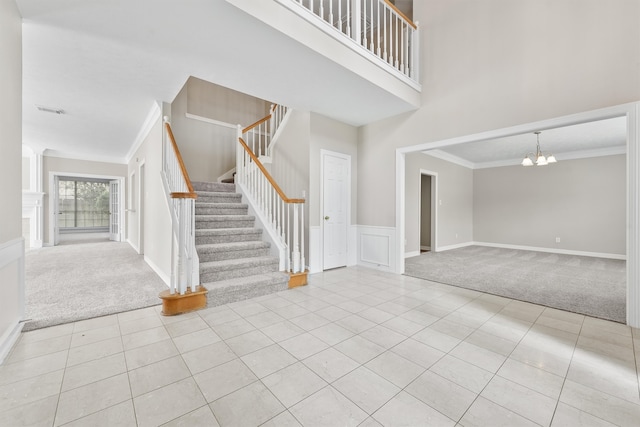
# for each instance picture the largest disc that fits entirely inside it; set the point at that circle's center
(456, 246)
(553, 250)
(166, 279)
(135, 248)
(9, 339)
(411, 254)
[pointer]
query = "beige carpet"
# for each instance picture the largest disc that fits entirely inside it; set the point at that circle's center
(586, 285)
(80, 281)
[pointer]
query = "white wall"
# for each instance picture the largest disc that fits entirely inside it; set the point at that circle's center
(290, 167)
(74, 166)
(454, 205)
(157, 232)
(494, 64)
(583, 202)
(332, 135)
(11, 243)
(209, 150)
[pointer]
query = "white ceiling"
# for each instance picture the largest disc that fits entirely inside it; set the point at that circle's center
(603, 137)
(106, 62)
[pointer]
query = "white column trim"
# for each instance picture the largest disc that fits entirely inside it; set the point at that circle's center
(633, 216)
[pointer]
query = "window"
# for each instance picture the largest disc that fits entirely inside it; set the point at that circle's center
(83, 204)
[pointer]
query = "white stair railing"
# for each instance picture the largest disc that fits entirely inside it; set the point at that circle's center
(284, 216)
(181, 197)
(261, 135)
(377, 25)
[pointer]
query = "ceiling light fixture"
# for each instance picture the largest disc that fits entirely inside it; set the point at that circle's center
(50, 110)
(538, 158)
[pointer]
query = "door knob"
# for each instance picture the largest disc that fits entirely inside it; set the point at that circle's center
(326, 218)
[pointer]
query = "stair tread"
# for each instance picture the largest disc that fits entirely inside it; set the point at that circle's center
(226, 187)
(230, 263)
(233, 246)
(226, 231)
(248, 280)
(224, 217)
(220, 205)
(218, 193)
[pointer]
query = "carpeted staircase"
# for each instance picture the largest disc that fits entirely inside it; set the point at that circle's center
(234, 261)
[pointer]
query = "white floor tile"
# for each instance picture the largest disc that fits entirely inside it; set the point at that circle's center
(328, 408)
(249, 406)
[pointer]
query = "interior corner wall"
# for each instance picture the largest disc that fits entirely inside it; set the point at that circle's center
(488, 65)
(290, 160)
(217, 102)
(583, 202)
(74, 166)
(208, 149)
(11, 243)
(454, 205)
(157, 217)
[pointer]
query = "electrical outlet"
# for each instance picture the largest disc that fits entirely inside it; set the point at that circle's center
(557, 240)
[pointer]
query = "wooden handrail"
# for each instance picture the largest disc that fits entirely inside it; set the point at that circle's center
(409, 21)
(184, 195)
(268, 175)
(191, 194)
(256, 124)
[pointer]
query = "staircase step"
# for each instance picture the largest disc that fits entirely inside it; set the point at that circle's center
(213, 271)
(227, 235)
(221, 208)
(218, 197)
(224, 221)
(235, 250)
(213, 186)
(242, 288)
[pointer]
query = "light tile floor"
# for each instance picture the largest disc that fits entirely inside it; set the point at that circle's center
(355, 347)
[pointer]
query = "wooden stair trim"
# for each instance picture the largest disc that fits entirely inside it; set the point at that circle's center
(298, 279)
(173, 304)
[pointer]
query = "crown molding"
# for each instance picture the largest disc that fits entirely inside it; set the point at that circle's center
(84, 157)
(570, 155)
(152, 117)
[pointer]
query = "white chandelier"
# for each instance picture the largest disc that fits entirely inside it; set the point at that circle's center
(539, 158)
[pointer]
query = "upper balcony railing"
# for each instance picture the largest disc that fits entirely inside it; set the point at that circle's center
(377, 25)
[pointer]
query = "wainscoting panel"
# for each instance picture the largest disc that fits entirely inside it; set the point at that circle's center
(376, 247)
(12, 288)
(315, 250)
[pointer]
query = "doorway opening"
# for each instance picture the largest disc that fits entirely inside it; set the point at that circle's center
(85, 208)
(428, 210)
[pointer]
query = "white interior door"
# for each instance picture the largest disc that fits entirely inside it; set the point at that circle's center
(335, 207)
(114, 210)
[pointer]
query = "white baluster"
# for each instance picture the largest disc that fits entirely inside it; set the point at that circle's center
(384, 32)
(331, 12)
(296, 247)
(371, 45)
(378, 50)
(397, 31)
